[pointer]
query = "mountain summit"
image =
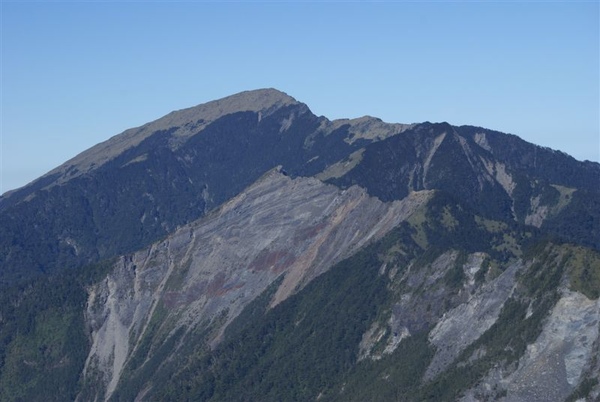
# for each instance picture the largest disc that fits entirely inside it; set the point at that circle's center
(246, 249)
(186, 121)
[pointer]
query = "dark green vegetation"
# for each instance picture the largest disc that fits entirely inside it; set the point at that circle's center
(298, 349)
(584, 275)
(396, 377)
(583, 390)
(43, 339)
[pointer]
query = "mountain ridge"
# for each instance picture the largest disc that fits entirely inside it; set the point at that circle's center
(260, 100)
(247, 249)
(241, 146)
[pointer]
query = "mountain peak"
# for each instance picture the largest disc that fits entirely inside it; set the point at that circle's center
(259, 100)
(263, 100)
(254, 100)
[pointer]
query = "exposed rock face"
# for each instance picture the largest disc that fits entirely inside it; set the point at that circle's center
(553, 365)
(426, 305)
(561, 333)
(207, 272)
(466, 323)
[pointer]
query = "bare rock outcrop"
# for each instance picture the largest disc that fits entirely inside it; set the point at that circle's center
(208, 271)
(464, 324)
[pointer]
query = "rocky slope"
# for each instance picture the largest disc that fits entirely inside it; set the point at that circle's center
(207, 272)
(434, 325)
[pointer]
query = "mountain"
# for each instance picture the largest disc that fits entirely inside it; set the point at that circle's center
(142, 184)
(246, 249)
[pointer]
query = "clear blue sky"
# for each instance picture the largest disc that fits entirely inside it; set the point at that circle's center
(76, 73)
